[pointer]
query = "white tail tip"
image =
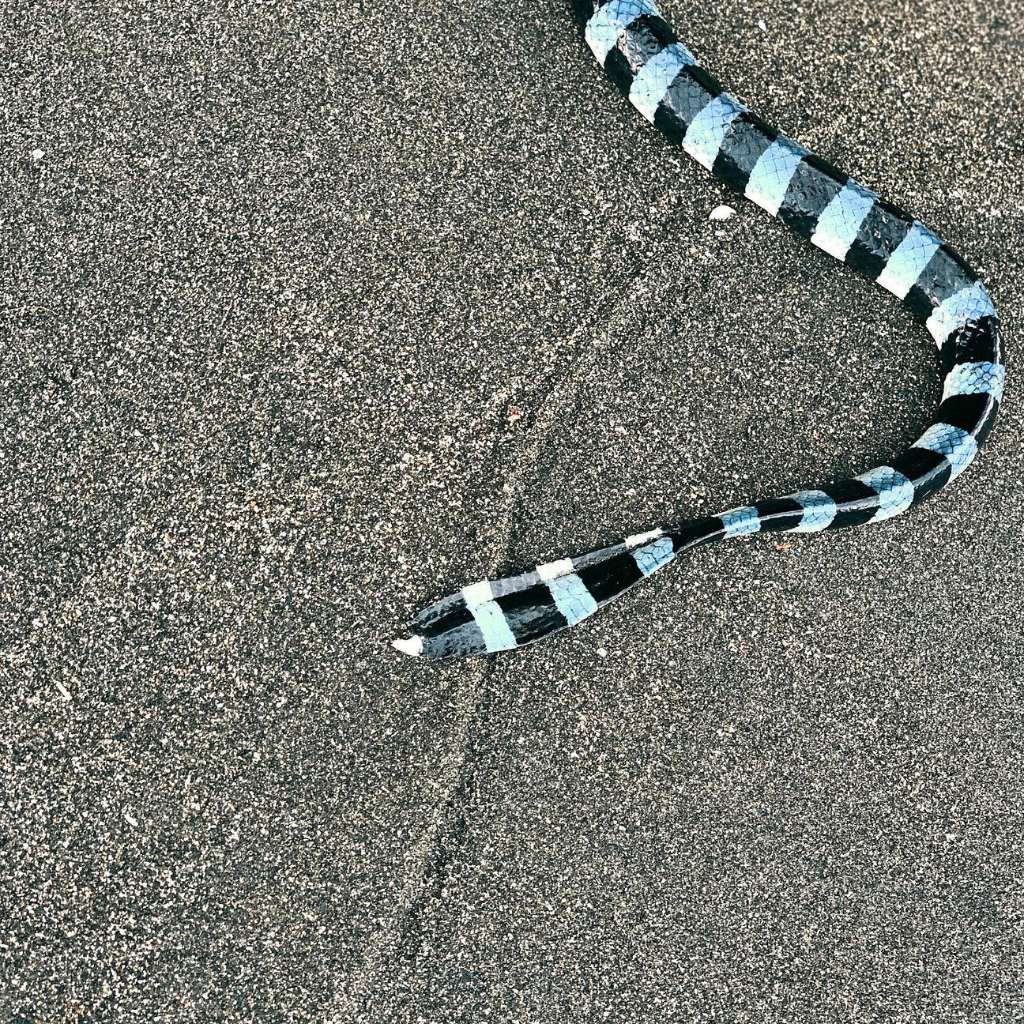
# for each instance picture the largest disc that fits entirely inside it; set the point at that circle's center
(411, 645)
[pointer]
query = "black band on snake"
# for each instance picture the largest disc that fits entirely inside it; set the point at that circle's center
(663, 81)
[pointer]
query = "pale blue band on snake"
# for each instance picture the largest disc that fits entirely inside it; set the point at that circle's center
(663, 80)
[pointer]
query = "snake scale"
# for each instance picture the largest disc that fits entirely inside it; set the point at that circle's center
(663, 80)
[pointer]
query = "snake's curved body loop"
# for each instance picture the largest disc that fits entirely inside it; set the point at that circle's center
(665, 83)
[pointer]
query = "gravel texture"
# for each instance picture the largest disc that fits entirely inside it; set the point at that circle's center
(313, 312)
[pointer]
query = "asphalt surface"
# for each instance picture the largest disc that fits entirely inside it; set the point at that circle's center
(314, 312)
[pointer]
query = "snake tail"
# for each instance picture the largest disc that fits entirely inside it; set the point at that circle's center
(664, 82)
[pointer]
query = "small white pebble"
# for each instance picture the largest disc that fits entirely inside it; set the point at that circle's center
(37, 155)
(64, 691)
(412, 645)
(761, 25)
(602, 653)
(721, 213)
(130, 818)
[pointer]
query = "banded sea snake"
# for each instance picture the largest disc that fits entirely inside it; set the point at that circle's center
(665, 83)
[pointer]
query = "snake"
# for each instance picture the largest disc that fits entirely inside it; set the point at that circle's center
(664, 81)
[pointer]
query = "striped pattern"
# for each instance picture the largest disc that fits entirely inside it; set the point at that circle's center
(703, 138)
(838, 225)
(604, 29)
(906, 263)
(956, 445)
(970, 304)
(740, 521)
(489, 618)
(653, 556)
(651, 84)
(983, 378)
(819, 509)
(895, 492)
(770, 178)
(818, 202)
(571, 597)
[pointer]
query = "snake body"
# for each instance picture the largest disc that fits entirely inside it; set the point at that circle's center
(663, 80)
